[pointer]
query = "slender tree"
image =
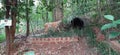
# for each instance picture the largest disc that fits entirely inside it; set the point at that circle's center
(27, 18)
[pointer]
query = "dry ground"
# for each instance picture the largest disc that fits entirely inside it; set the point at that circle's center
(67, 48)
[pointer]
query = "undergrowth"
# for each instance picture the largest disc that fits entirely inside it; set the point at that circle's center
(67, 33)
(102, 47)
(2, 38)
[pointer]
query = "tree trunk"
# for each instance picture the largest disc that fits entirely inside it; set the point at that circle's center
(46, 16)
(58, 10)
(27, 19)
(10, 31)
(7, 30)
(13, 27)
(99, 12)
(43, 18)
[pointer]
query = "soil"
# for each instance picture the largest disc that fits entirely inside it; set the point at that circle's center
(68, 48)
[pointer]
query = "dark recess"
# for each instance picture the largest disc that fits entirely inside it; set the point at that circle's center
(77, 23)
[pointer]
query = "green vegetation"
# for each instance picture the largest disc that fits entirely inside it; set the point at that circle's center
(114, 23)
(2, 37)
(37, 12)
(102, 47)
(68, 33)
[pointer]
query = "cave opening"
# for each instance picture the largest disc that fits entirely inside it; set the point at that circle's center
(77, 23)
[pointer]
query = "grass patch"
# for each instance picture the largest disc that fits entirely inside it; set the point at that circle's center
(68, 33)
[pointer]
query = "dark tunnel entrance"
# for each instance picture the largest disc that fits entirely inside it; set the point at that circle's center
(77, 23)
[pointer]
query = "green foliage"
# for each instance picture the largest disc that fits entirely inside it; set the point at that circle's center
(64, 1)
(102, 47)
(31, 3)
(117, 22)
(114, 34)
(65, 21)
(109, 17)
(2, 26)
(105, 49)
(48, 4)
(2, 37)
(107, 26)
(69, 33)
(2, 11)
(111, 25)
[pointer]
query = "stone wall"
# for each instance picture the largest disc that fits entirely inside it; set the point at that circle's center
(40, 44)
(52, 40)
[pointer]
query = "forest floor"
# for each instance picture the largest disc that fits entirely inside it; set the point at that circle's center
(72, 48)
(79, 47)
